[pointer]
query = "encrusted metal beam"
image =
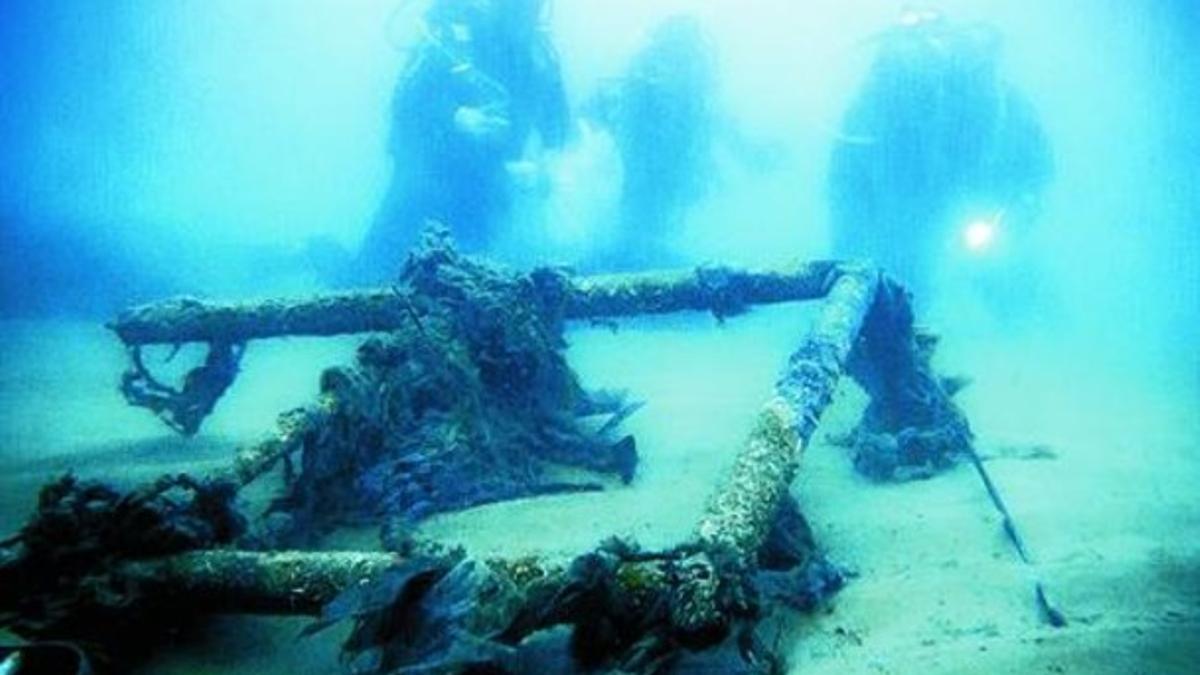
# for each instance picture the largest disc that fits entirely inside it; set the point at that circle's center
(251, 462)
(270, 582)
(676, 291)
(302, 582)
(740, 513)
(184, 320)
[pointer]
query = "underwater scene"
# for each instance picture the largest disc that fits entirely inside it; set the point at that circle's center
(581, 336)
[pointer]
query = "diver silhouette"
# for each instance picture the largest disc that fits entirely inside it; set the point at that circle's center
(934, 139)
(481, 83)
(661, 114)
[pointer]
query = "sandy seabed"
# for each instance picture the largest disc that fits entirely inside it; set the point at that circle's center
(1098, 458)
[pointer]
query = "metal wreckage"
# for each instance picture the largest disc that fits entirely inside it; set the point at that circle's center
(461, 396)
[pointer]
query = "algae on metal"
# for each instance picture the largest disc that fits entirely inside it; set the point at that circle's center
(469, 401)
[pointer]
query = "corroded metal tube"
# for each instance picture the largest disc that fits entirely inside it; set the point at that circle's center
(739, 515)
(190, 320)
(276, 582)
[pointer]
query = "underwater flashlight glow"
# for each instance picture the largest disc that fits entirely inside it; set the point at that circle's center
(979, 235)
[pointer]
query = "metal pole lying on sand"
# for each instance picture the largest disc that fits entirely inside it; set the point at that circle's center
(740, 515)
(1049, 612)
(255, 582)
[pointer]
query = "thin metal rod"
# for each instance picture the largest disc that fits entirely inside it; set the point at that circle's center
(1050, 613)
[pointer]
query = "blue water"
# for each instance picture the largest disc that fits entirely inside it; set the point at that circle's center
(245, 148)
(200, 147)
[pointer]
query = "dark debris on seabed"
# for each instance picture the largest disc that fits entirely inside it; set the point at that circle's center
(618, 610)
(911, 429)
(59, 577)
(470, 401)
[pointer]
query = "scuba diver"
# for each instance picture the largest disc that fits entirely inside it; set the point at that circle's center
(481, 83)
(934, 142)
(661, 115)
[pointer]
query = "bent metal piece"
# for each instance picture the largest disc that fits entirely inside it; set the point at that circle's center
(185, 408)
(736, 521)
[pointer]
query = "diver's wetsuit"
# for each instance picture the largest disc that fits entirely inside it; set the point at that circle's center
(933, 134)
(662, 117)
(483, 78)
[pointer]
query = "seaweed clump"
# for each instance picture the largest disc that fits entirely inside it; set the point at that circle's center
(60, 576)
(617, 609)
(911, 428)
(470, 401)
